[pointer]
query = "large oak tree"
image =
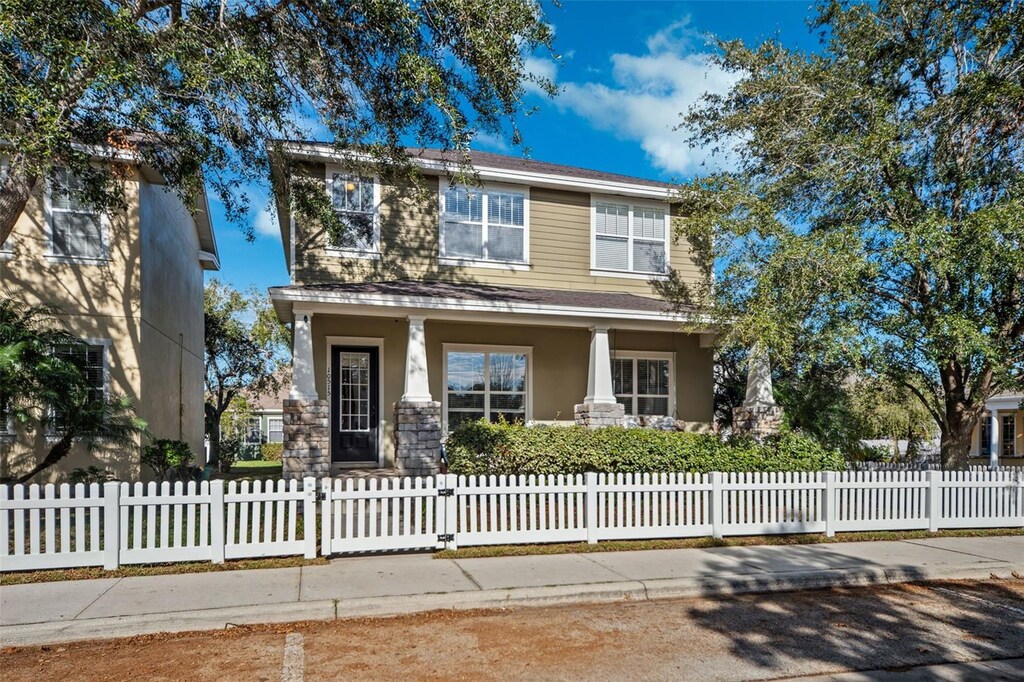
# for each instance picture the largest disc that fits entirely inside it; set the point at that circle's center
(195, 88)
(876, 201)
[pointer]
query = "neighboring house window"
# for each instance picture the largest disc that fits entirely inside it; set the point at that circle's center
(1009, 435)
(355, 200)
(487, 224)
(253, 434)
(275, 430)
(91, 359)
(76, 228)
(986, 436)
(630, 238)
(489, 384)
(643, 384)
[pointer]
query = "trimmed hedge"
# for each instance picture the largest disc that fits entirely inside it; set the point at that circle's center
(271, 452)
(483, 448)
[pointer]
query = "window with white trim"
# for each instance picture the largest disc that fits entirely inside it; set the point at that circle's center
(356, 202)
(275, 430)
(76, 228)
(630, 238)
(483, 224)
(489, 384)
(1009, 434)
(90, 358)
(643, 384)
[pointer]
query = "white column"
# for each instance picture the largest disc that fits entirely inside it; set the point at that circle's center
(599, 375)
(417, 387)
(993, 438)
(303, 379)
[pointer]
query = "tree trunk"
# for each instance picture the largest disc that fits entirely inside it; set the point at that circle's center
(17, 189)
(58, 452)
(955, 445)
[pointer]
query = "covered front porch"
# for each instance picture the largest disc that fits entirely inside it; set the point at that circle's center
(999, 435)
(382, 371)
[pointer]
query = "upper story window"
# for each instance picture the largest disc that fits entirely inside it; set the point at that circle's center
(630, 238)
(76, 228)
(356, 200)
(488, 225)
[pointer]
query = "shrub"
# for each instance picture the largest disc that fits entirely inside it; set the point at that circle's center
(483, 448)
(90, 474)
(168, 457)
(271, 452)
(230, 452)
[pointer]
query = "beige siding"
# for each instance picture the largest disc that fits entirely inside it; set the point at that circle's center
(560, 357)
(559, 236)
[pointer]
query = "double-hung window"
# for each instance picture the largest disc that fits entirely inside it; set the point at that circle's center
(630, 237)
(486, 225)
(275, 430)
(356, 202)
(76, 228)
(643, 383)
(487, 384)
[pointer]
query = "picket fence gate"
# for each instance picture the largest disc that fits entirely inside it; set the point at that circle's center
(121, 523)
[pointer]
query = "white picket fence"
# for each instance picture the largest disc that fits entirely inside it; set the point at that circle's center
(122, 523)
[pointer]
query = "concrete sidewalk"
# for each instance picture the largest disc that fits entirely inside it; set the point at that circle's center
(387, 585)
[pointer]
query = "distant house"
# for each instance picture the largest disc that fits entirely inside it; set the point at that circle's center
(1001, 428)
(530, 297)
(130, 285)
(266, 425)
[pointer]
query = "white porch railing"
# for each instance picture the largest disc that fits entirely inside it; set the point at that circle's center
(121, 523)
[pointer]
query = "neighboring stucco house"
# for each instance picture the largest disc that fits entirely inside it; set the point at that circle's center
(530, 298)
(1000, 431)
(130, 285)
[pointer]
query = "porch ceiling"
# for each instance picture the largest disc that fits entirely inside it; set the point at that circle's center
(481, 303)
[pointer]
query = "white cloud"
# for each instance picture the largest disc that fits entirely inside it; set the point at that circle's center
(648, 94)
(266, 225)
(540, 67)
(489, 141)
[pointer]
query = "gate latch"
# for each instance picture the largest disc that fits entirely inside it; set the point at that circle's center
(446, 537)
(445, 492)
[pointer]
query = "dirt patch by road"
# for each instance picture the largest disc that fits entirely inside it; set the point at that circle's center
(744, 637)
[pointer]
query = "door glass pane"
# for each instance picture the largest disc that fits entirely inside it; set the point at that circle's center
(1009, 435)
(354, 392)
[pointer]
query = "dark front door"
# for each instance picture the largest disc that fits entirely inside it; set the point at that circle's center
(355, 373)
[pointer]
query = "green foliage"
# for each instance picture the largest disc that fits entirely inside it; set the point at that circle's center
(246, 350)
(50, 391)
(168, 457)
(90, 474)
(230, 452)
(271, 452)
(195, 88)
(484, 448)
(873, 215)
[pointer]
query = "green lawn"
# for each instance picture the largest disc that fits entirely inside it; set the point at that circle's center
(252, 470)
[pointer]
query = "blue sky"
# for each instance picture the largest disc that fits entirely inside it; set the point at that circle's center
(626, 70)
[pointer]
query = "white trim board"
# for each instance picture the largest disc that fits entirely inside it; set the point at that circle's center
(366, 341)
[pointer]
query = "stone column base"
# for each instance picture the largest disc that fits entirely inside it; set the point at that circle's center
(418, 437)
(597, 415)
(307, 442)
(758, 421)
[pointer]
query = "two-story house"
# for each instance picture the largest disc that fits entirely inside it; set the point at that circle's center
(529, 297)
(130, 286)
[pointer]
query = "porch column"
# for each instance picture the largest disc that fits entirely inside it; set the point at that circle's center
(417, 414)
(599, 378)
(417, 386)
(993, 438)
(303, 379)
(599, 407)
(759, 415)
(305, 418)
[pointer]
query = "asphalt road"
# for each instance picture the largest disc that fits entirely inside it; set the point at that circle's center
(749, 637)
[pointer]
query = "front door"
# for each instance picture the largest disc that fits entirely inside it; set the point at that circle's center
(355, 373)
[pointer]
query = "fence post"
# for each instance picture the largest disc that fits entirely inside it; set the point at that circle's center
(591, 497)
(309, 517)
(217, 530)
(111, 525)
(451, 505)
(326, 524)
(830, 504)
(934, 500)
(717, 504)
